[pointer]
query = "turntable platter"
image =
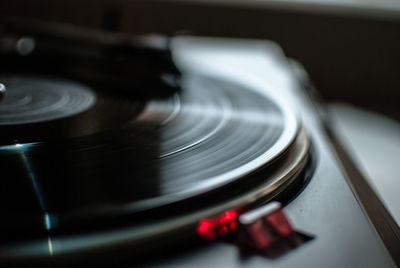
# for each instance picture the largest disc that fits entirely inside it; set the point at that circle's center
(210, 136)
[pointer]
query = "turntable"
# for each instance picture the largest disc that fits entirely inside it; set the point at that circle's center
(109, 153)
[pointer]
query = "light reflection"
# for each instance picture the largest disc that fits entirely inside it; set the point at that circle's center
(21, 150)
(50, 245)
(47, 221)
(32, 177)
(20, 147)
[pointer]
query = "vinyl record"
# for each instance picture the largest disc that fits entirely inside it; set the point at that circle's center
(44, 108)
(210, 135)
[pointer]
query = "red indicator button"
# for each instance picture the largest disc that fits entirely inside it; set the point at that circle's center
(263, 227)
(264, 230)
(279, 223)
(260, 228)
(261, 237)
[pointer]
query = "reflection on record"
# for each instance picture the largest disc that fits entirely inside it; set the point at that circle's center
(209, 135)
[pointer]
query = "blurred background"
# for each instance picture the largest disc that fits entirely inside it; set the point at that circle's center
(350, 48)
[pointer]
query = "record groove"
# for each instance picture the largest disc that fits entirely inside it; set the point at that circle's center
(211, 134)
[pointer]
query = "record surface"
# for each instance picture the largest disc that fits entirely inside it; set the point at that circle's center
(211, 134)
(40, 108)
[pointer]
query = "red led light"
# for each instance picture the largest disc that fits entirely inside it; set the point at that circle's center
(228, 216)
(218, 226)
(232, 225)
(204, 227)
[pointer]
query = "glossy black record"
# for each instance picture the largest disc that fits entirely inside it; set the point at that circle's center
(211, 134)
(33, 100)
(44, 108)
(214, 133)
